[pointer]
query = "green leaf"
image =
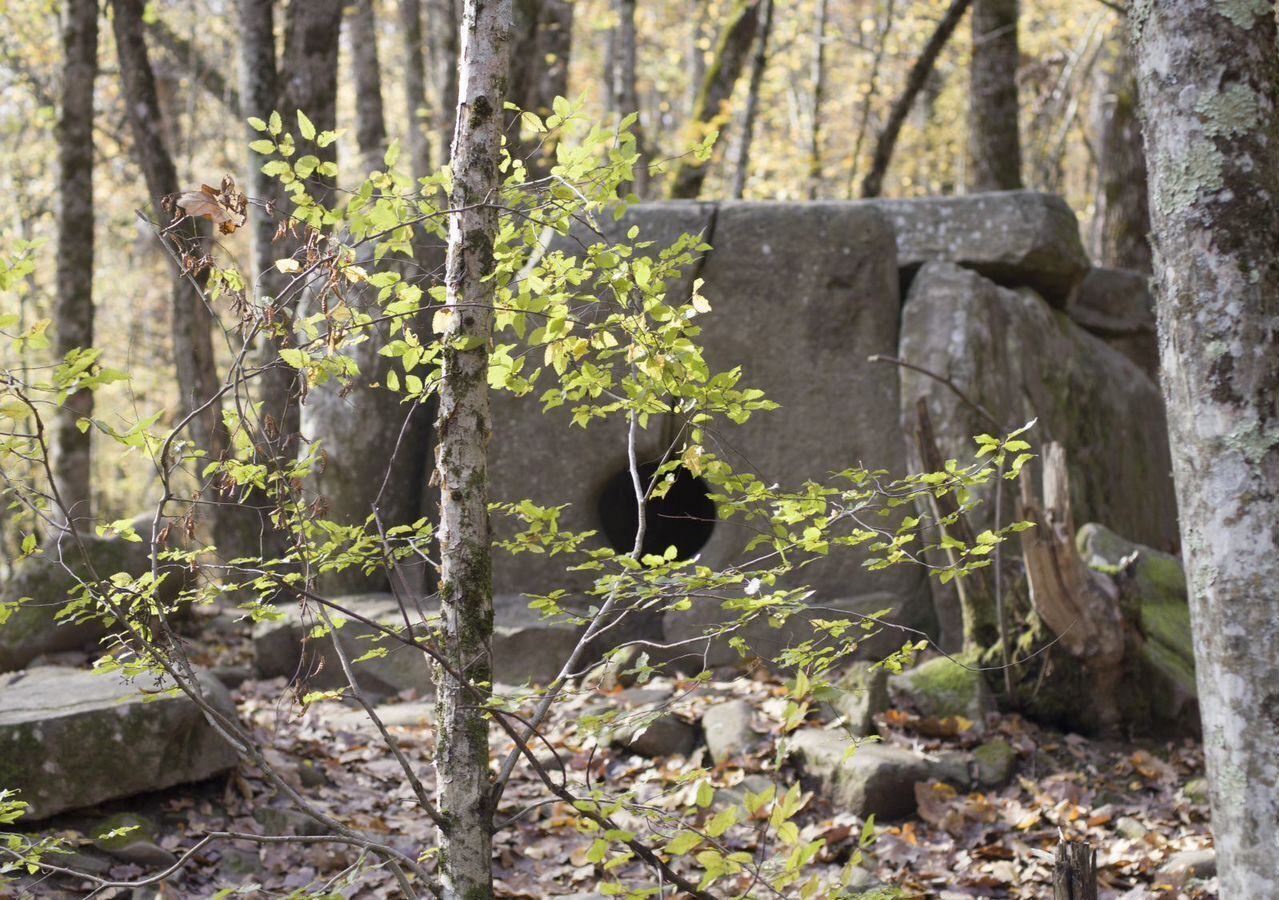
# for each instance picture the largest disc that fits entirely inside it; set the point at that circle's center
(256, 124)
(392, 154)
(305, 126)
(275, 126)
(683, 842)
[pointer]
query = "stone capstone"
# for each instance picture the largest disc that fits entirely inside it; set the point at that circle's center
(1015, 238)
(875, 779)
(70, 738)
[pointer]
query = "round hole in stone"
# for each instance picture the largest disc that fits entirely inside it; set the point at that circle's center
(684, 517)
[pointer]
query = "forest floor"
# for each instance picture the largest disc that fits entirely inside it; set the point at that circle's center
(1138, 804)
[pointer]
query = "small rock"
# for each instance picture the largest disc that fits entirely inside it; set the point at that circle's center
(940, 688)
(875, 779)
(276, 821)
(996, 761)
(728, 730)
(1130, 828)
(136, 846)
(1196, 790)
(667, 735)
(239, 862)
(736, 795)
(311, 775)
(232, 676)
(1191, 864)
(863, 692)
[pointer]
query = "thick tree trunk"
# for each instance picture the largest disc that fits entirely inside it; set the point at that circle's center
(710, 109)
(193, 321)
(370, 122)
(1209, 83)
(994, 145)
(1124, 209)
(73, 306)
(625, 95)
(466, 577)
(543, 44)
(758, 65)
(873, 183)
(819, 96)
(415, 87)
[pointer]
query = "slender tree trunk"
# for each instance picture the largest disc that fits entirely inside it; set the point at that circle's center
(994, 145)
(466, 577)
(442, 36)
(1125, 211)
(758, 65)
(259, 86)
(208, 76)
(1209, 81)
(370, 122)
(625, 94)
(819, 95)
(873, 183)
(193, 322)
(710, 110)
(73, 307)
(415, 87)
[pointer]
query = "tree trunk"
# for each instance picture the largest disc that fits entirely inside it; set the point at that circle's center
(193, 321)
(758, 65)
(415, 87)
(539, 73)
(1124, 209)
(1075, 871)
(370, 122)
(259, 86)
(73, 306)
(204, 73)
(1209, 83)
(466, 577)
(994, 147)
(442, 36)
(819, 92)
(710, 110)
(873, 183)
(625, 95)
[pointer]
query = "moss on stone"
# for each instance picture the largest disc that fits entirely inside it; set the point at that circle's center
(995, 761)
(944, 687)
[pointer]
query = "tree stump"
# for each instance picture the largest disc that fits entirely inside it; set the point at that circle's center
(1075, 871)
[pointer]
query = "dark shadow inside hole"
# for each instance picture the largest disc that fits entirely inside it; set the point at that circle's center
(684, 517)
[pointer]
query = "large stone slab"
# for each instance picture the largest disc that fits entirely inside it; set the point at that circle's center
(872, 780)
(1015, 238)
(801, 296)
(525, 647)
(1117, 306)
(70, 738)
(50, 579)
(1020, 359)
(545, 458)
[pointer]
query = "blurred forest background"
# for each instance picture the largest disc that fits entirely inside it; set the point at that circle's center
(815, 97)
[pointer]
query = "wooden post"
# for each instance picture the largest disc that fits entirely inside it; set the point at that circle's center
(1075, 872)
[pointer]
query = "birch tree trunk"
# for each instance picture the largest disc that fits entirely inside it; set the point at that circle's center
(758, 65)
(1209, 81)
(415, 87)
(73, 307)
(994, 145)
(466, 577)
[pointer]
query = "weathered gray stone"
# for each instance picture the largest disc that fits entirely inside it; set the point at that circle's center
(277, 821)
(1117, 306)
(525, 647)
(1015, 238)
(32, 630)
(545, 458)
(1196, 790)
(940, 688)
(1130, 828)
(1021, 360)
(996, 761)
(863, 692)
(377, 450)
(1191, 864)
(728, 730)
(137, 846)
(1153, 585)
(875, 780)
(71, 738)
